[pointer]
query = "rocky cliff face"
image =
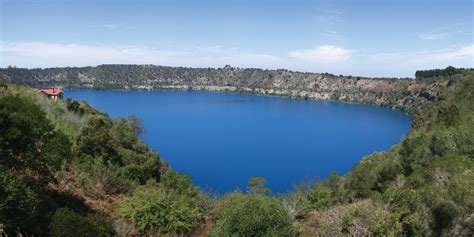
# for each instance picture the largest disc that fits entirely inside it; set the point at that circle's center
(396, 93)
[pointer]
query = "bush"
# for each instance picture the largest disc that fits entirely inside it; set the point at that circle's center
(180, 184)
(361, 218)
(29, 144)
(19, 205)
(437, 199)
(449, 115)
(373, 174)
(296, 202)
(320, 197)
(152, 209)
(65, 222)
(140, 167)
(252, 215)
(95, 141)
(99, 178)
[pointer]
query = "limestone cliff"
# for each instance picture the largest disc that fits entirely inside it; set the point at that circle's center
(407, 94)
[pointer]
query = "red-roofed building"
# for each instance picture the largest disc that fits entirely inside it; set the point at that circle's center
(52, 93)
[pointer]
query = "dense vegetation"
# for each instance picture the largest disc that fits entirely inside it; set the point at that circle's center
(67, 169)
(433, 73)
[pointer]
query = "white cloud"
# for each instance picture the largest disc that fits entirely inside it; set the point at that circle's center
(325, 58)
(113, 26)
(328, 17)
(332, 35)
(445, 32)
(426, 57)
(325, 54)
(402, 64)
(439, 35)
(327, 20)
(449, 55)
(218, 49)
(43, 54)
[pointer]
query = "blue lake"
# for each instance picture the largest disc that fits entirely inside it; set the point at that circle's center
(223, 139)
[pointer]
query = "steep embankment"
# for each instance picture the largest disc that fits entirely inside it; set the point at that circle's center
(407, 94)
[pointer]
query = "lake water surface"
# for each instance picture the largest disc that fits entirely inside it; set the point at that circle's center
(223, 139)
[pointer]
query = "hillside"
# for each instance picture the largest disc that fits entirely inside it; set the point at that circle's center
(68, 169)
(403, 94)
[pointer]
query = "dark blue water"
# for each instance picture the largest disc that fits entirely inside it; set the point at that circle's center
(223, 139)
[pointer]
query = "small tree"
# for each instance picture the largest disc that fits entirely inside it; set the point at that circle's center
(137, 125)
(95, 141)
(451, 70)
(256, 185)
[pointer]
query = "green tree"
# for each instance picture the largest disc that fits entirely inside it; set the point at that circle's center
(122, 132)
(256, 185)
(137, 125)
(29, 144)
(95, 140)
(450, 70)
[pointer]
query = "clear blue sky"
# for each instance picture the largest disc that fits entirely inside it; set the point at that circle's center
(364, 37)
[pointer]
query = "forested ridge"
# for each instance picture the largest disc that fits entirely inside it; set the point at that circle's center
(67, 169)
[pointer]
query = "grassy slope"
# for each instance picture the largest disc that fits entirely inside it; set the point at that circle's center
(423, 186)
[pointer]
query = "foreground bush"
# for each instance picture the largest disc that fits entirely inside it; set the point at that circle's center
(19, 204)
(362, 218)
(65, 222)
(152, 209)
(437, 200)
(252, 215)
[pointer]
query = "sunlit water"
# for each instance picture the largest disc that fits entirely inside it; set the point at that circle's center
(223, 139)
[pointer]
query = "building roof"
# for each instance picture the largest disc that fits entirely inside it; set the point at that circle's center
(51, 91)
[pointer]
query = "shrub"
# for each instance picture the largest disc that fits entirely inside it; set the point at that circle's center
(252, 215)
(414, 150)
(29, 144)
(152, 209)
(372, 219)
(19, 205)
(65, 222)
(296, 202)
(373, 174)
(101, 178)
(96, 141)
(181, 184)
(320, 198)
(437, 199)
(140, 167)
(449, 115)
(361, 218)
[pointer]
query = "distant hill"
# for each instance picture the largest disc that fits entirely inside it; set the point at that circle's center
(388, 92)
